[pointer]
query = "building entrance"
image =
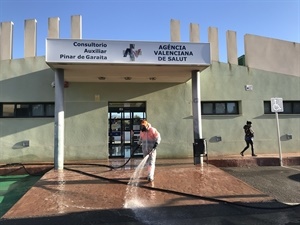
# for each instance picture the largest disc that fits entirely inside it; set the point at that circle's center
(124, 128)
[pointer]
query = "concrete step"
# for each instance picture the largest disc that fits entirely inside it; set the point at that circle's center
(260, 160)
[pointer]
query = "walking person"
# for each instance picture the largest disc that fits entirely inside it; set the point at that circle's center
(249, 135)
(149, 139)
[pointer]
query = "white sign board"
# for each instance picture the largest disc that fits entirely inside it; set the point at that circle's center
(127, 52)
(276, 105)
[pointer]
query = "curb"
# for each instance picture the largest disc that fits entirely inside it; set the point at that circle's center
(253, 161)
(229, 161)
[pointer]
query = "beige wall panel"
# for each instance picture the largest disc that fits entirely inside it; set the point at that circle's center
(272, 55)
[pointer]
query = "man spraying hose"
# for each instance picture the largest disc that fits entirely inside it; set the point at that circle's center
(149, 139)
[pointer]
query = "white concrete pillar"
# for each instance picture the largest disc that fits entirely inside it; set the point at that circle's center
(214, 43)
(53, 27)
(196, 104)
(231, 47)
(196, 90)
(194, 33)
(175, 30)
(76, 27)
(30, 34)
(59, 121)
(6, 40)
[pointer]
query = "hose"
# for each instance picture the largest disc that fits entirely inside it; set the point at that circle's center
(21, 165)
(117, 167)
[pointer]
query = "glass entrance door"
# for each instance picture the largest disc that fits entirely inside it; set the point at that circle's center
(124, 128)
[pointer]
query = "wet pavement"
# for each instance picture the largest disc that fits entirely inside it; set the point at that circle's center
(182, 193)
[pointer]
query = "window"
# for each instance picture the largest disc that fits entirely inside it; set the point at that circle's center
(49, 110)
(37, 110)
(7, 110)
(25, 110)
(22, 110)
(220, 108)
(289, 107)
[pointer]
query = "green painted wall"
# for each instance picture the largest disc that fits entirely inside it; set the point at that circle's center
(169, 109)
(224, 82)
(26, 80)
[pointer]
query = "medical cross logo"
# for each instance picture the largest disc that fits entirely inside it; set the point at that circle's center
(131, 52)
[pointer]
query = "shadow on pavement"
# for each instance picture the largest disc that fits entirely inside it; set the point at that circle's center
(12, 188)
(252, 213)
(295, 177)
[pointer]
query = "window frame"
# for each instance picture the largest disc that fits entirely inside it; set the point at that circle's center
(26, 109)
(214, 108)
(267, 107)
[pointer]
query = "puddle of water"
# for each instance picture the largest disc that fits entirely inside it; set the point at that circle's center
(140, 204)
(61, 193)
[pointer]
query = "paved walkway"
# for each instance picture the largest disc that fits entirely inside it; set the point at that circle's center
(182, 193)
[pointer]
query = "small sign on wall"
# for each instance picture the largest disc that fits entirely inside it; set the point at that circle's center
(276, 105)
(249, 87)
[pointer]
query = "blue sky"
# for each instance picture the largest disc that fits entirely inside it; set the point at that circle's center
(149, 20)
